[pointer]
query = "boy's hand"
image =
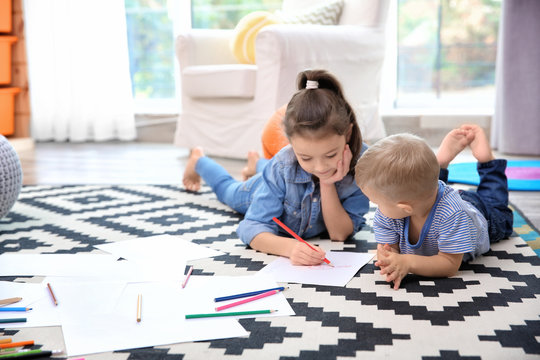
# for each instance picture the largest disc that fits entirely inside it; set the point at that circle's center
(342, 167)
(302, 255)
(392, 264)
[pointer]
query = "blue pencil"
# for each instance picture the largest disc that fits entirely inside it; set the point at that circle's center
(238, 296)
(14, 309)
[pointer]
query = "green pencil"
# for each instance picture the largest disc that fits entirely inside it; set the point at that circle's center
(4, 321)
(237, 313)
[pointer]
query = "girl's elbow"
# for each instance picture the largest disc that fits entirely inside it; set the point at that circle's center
(340, 237)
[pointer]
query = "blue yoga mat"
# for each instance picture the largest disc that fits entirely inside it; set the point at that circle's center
(523, 175)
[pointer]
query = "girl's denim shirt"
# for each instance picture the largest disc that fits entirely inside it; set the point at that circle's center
(289, 193)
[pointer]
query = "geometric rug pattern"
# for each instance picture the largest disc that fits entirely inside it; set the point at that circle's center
(489, 310)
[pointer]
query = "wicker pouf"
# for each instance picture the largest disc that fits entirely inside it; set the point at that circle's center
(10, 176)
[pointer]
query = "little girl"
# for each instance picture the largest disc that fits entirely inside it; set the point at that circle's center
(309, 185)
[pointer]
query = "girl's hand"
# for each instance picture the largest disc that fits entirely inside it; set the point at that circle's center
(302, 255)
(342, 167)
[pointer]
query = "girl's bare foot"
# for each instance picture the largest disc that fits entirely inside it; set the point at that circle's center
(192, 180)
(453, 143)
(251, 167)
(480, 144)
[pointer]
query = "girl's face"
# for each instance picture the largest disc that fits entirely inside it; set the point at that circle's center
(319, 156)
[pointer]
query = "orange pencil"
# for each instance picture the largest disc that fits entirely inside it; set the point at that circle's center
(16, 344)
(286, 228)
(5, 340)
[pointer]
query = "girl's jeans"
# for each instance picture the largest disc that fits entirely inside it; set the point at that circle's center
(234, 193)
(491, 198)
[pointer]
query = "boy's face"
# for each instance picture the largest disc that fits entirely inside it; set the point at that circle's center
(319, 156)
(386, 206)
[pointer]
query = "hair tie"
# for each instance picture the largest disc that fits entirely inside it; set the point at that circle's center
(312, 84)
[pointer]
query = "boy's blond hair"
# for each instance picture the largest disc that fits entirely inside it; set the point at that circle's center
(401, 167)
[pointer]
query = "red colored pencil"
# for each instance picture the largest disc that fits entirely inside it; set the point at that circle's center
(256, 297)
(286, 228)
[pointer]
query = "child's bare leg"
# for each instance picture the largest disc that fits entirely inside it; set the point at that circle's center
(251, 167)
(480, 144)
(453, 143)
(192, 180)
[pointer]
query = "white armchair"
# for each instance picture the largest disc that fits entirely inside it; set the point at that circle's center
(225, 105)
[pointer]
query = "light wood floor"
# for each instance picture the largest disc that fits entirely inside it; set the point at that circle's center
(154, 163)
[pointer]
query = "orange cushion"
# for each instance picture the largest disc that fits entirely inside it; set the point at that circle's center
(273, 137)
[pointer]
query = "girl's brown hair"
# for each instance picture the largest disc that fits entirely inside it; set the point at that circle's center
(322, 111)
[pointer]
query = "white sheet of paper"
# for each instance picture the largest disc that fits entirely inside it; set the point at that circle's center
(202, 290)
(163, 322)
(35, 296)
(162, 257)
(87, 265)
(164, 247)
(346, 264)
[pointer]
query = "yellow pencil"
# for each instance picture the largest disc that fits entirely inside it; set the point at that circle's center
(139, 307)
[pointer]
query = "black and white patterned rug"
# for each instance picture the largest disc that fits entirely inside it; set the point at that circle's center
(490, 310)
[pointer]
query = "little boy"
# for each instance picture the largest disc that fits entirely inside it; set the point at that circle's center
(423, 226)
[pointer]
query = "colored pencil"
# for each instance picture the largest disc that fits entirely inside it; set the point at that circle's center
(17, 344)
(238, 313)
(10, 301)
(52, 294)
(187, 277)
(252, 293)
(5, 340)
(31, 354)
(286, 228)
(250, 299)
(14, 309)
(14, 320)
(139, 308)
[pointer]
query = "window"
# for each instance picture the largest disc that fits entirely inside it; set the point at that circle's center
(446, 53)
(225, 14)
(442, 51)
(151, 52)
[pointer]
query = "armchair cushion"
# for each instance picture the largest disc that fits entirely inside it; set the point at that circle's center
(218, 81)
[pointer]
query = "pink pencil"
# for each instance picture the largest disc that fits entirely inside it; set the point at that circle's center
(257, 297)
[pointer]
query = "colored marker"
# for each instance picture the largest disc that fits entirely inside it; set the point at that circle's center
(31, 354)
(139, 308)
(286, 228)
(252, 293)
(9, 301)
(14, 320)
(52, 294)
(16, 344)
(238, 313)
(187, 277)
(250, 299)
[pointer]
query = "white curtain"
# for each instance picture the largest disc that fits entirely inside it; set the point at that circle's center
(78, 66)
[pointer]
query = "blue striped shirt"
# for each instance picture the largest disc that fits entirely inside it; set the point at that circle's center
(453, 226)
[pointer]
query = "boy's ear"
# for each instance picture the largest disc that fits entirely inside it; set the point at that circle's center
(405, 207)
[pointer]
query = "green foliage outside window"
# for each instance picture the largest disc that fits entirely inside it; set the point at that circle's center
(225, 14)
(447, 45)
